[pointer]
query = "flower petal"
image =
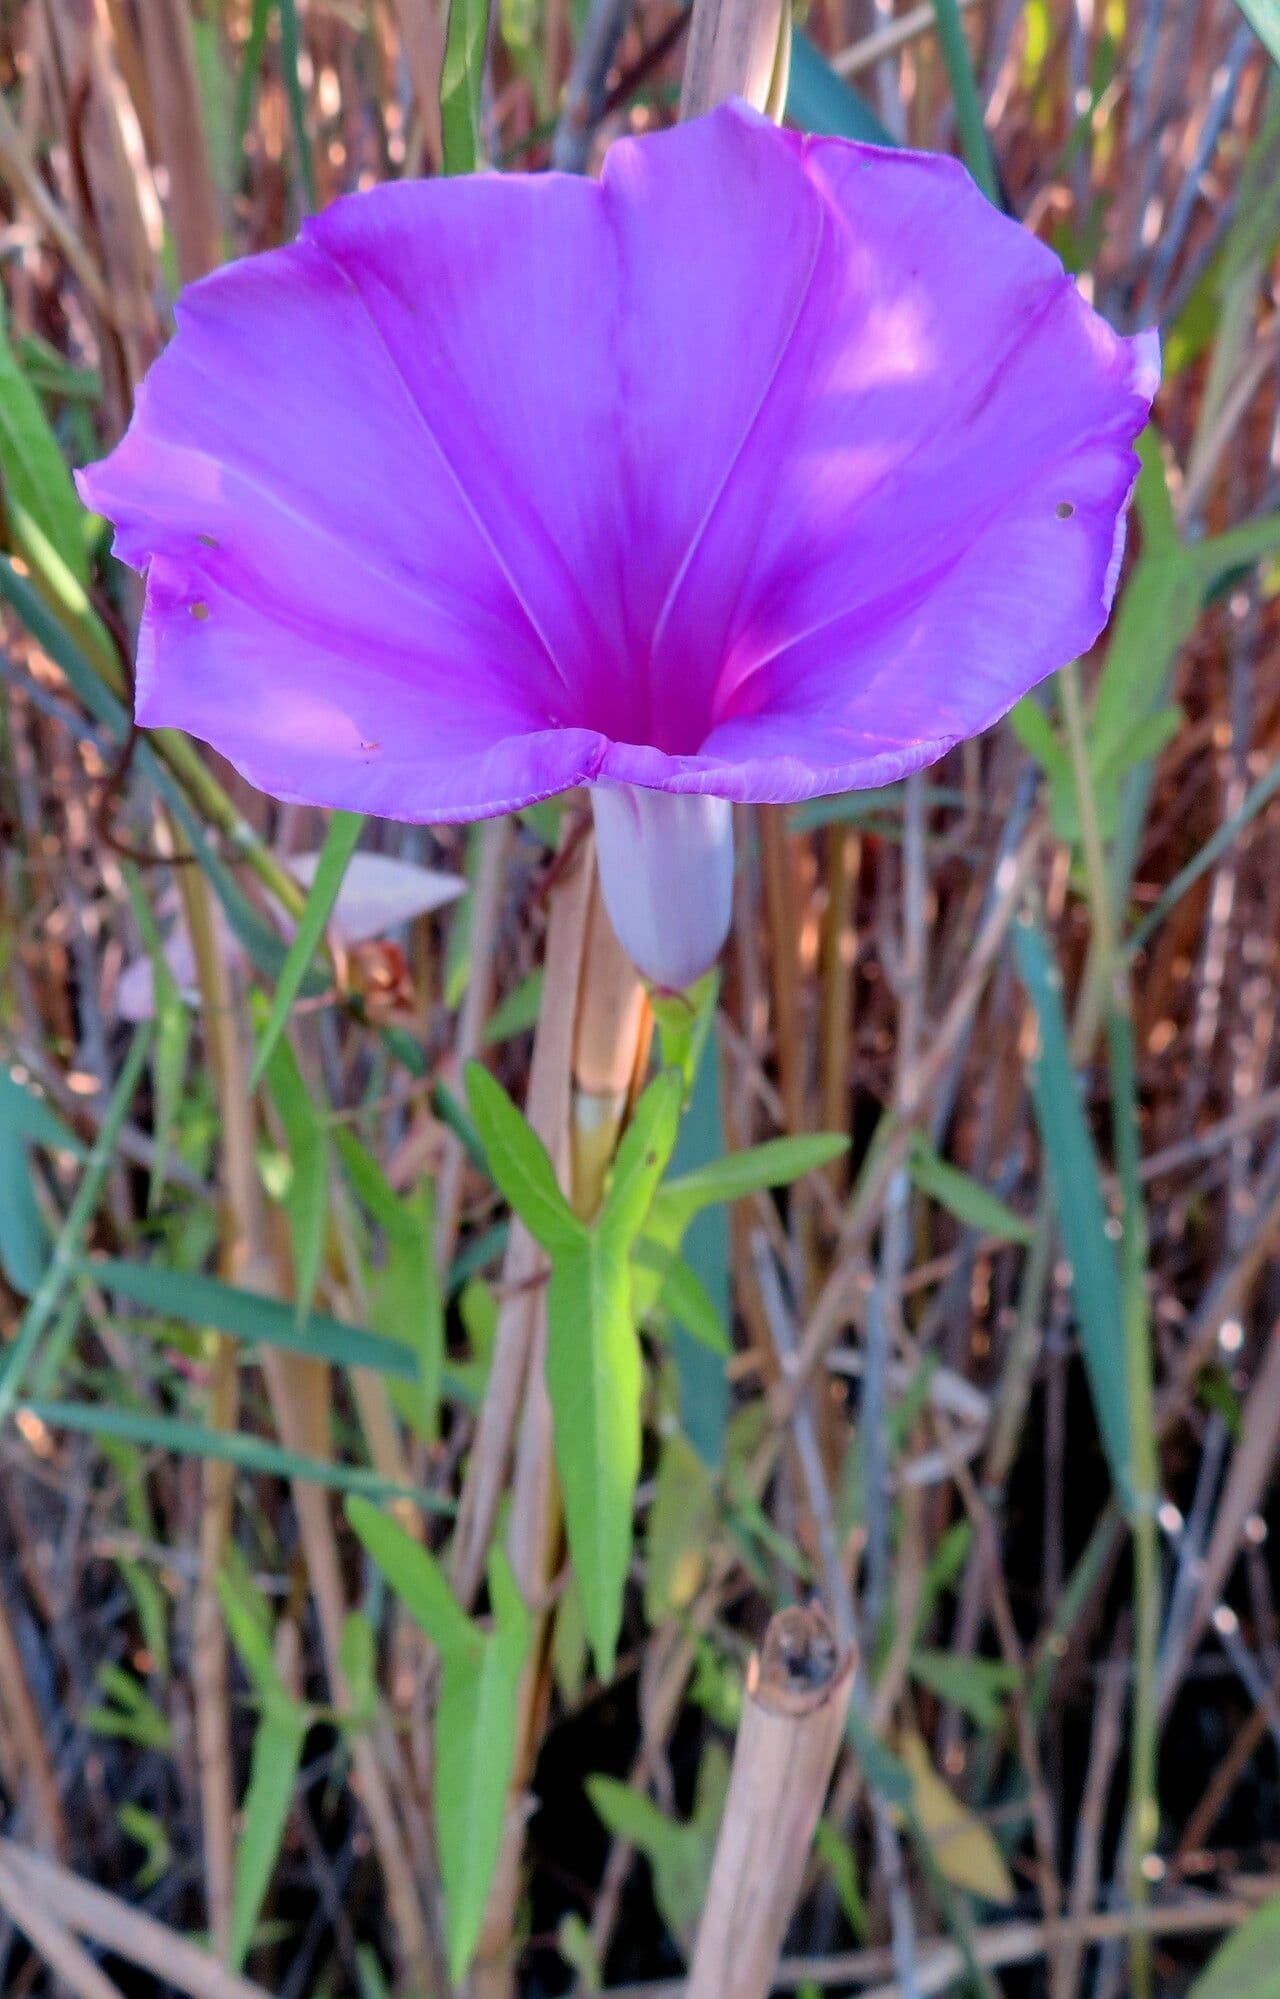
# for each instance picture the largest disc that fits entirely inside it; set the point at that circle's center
(765, 467)
(926, 517)
(330, 601)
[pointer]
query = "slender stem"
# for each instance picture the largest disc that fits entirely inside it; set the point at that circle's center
(240, 1229)
(1106, 992)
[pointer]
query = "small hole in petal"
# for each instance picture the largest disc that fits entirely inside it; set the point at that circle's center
(200, 610)
(206, 541)
(1064, 510)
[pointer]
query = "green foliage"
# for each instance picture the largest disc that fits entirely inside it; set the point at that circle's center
(1263, 17)
(150, 1833)
(40, 501)
(25, 1119)
(306, 1188)
(1082, 1216)
(461, 85)
(679, 1853)
(196, 1300)
(405, 1301)
(963, 1197)
(954, 45)
(776, 1163)
(1247, 1965)
(818, 100)
(236, 1447)
(476, 1716)
(128, 1713)
(273, 1771)
(980, 1687)
(340, 843)
(55, 1274)
(1132, 718)
(683, 1518)
(173, 1036)
(594, 1373)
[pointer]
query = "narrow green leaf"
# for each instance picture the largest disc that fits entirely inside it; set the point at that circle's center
(820, 101)
(406, 1305)
(416, 1577)
(173, 1035)
(475, 1756)
(981, 1687)
(29, 1116)
(776, 1163)
(595, 1381)
(476, 1719)
(685, 1296)
(963, 1196)
(197, 1300)
(837, 1857)
(1082, 1216)
(641, 1161)
(704, 1244)
(517, 1012)
(340, 843)
(678, 1854)
(1263, 17)
(1258, 795)
(954, 44)
(249, 1623)
(461, 82)
(58, 1269)
(192, 1440)
(250, 65)
(273, 1773)
(519, 1164)
(37, 484)
(1247, 1965)
(290, 63)
(24, 1239)
(306, 1199)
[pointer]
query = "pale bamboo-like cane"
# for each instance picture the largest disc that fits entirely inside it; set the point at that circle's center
(595, 1014)
(792, 1723)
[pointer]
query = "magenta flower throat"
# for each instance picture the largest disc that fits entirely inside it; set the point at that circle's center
(763, 468)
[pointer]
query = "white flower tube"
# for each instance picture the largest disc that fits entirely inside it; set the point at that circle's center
(666, 872)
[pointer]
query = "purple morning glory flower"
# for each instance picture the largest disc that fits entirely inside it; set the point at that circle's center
(763, 468)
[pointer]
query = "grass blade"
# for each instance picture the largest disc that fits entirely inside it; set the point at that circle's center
(339, 845)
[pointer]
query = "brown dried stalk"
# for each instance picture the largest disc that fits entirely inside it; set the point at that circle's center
(793, 1719)
(584, 1101)
(125, 1932)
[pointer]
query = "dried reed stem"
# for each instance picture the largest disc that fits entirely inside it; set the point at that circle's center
(737, 48)
(793, 1720)
(579, 1107)
(240, 1229)
(126, 1932)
